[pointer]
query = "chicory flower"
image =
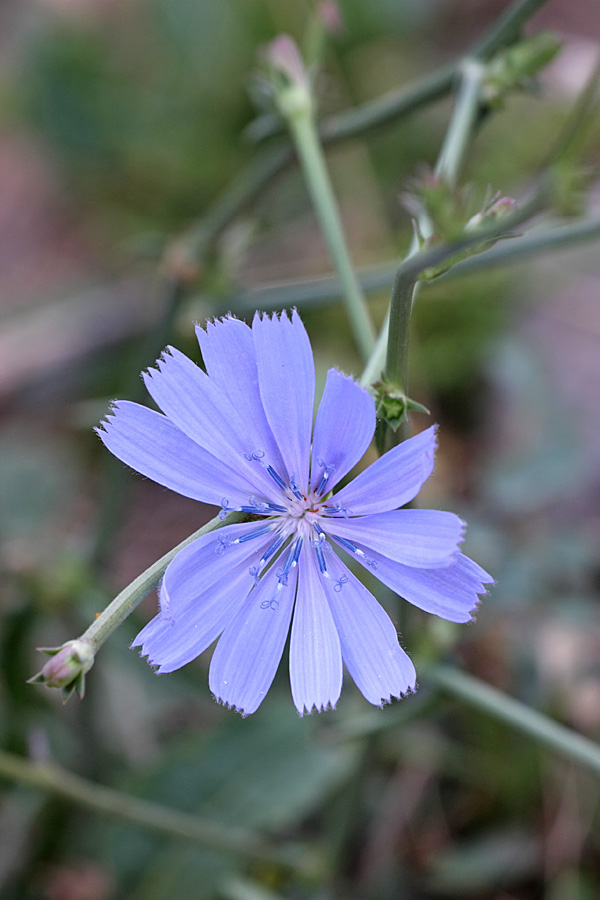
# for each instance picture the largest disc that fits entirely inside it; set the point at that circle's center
(241, 436)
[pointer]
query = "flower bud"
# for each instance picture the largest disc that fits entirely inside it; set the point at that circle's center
(493, 211)
(67, 667)
(331, 16)
(288, 76)
(283, 56)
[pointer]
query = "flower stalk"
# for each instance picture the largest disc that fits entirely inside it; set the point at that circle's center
(70, 662)
(294, 100)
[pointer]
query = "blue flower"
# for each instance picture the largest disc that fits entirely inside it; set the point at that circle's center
(241, 436)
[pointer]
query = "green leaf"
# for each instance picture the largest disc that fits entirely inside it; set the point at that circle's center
(267, 772)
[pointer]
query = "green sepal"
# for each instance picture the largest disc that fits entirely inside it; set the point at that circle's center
(67, 667)
(393, 405)
(77, 686)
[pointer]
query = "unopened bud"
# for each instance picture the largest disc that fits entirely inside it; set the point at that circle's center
(494, 210)
(288, 77)
(283, 56)
(331, 16)
(67, 667)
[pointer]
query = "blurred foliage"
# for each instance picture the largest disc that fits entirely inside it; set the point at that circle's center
(142, 108)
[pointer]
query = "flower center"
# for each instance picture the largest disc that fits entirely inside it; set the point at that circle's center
(298, 509)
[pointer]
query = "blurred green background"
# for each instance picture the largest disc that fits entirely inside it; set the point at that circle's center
(122, 124)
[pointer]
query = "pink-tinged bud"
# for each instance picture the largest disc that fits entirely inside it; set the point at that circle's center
(503, 207)
(67, 666)
(497, 208)
(283, 55)
(331, 16)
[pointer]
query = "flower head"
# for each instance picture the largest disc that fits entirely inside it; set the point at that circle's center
(241, 436)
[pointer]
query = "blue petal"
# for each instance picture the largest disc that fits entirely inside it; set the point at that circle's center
(196, 406)
(369, 641)
(449, 592)
(343, 429)
(286, 376)
(152, 445)
(392, 480)
(249, 651)
(229, 355)
(426, 538)
(203, 587)
(315, 656)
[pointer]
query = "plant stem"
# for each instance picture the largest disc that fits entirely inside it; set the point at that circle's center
(563, 740)
(52, 779)
(193, 244)
(131, 596)
(506, 29)
(450, 161)
(462, 123)
(316, 292)
(398, 103)
(304, 134)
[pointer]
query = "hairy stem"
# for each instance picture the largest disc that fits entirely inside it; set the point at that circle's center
(131, 596)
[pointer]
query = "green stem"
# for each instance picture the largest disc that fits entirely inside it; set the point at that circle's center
(131, 596)
(408, 272)
(401, 102)
(506, 29)
(462, 123)
(531, 722)
(52, 779)
(200, 238)
(315, 292)
(396, 365)
(450, 161)
(304, 134)
(529, 246)
(372, 371)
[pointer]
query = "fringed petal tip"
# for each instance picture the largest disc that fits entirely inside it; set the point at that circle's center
(324, 707)
(215, 322)
(226, 704)
(284, 315)
(109, 419)
(396, 697)
(154, 664)
(482, 592)
(335, 371)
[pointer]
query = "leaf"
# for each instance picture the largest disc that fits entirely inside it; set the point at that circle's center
(267, 772)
